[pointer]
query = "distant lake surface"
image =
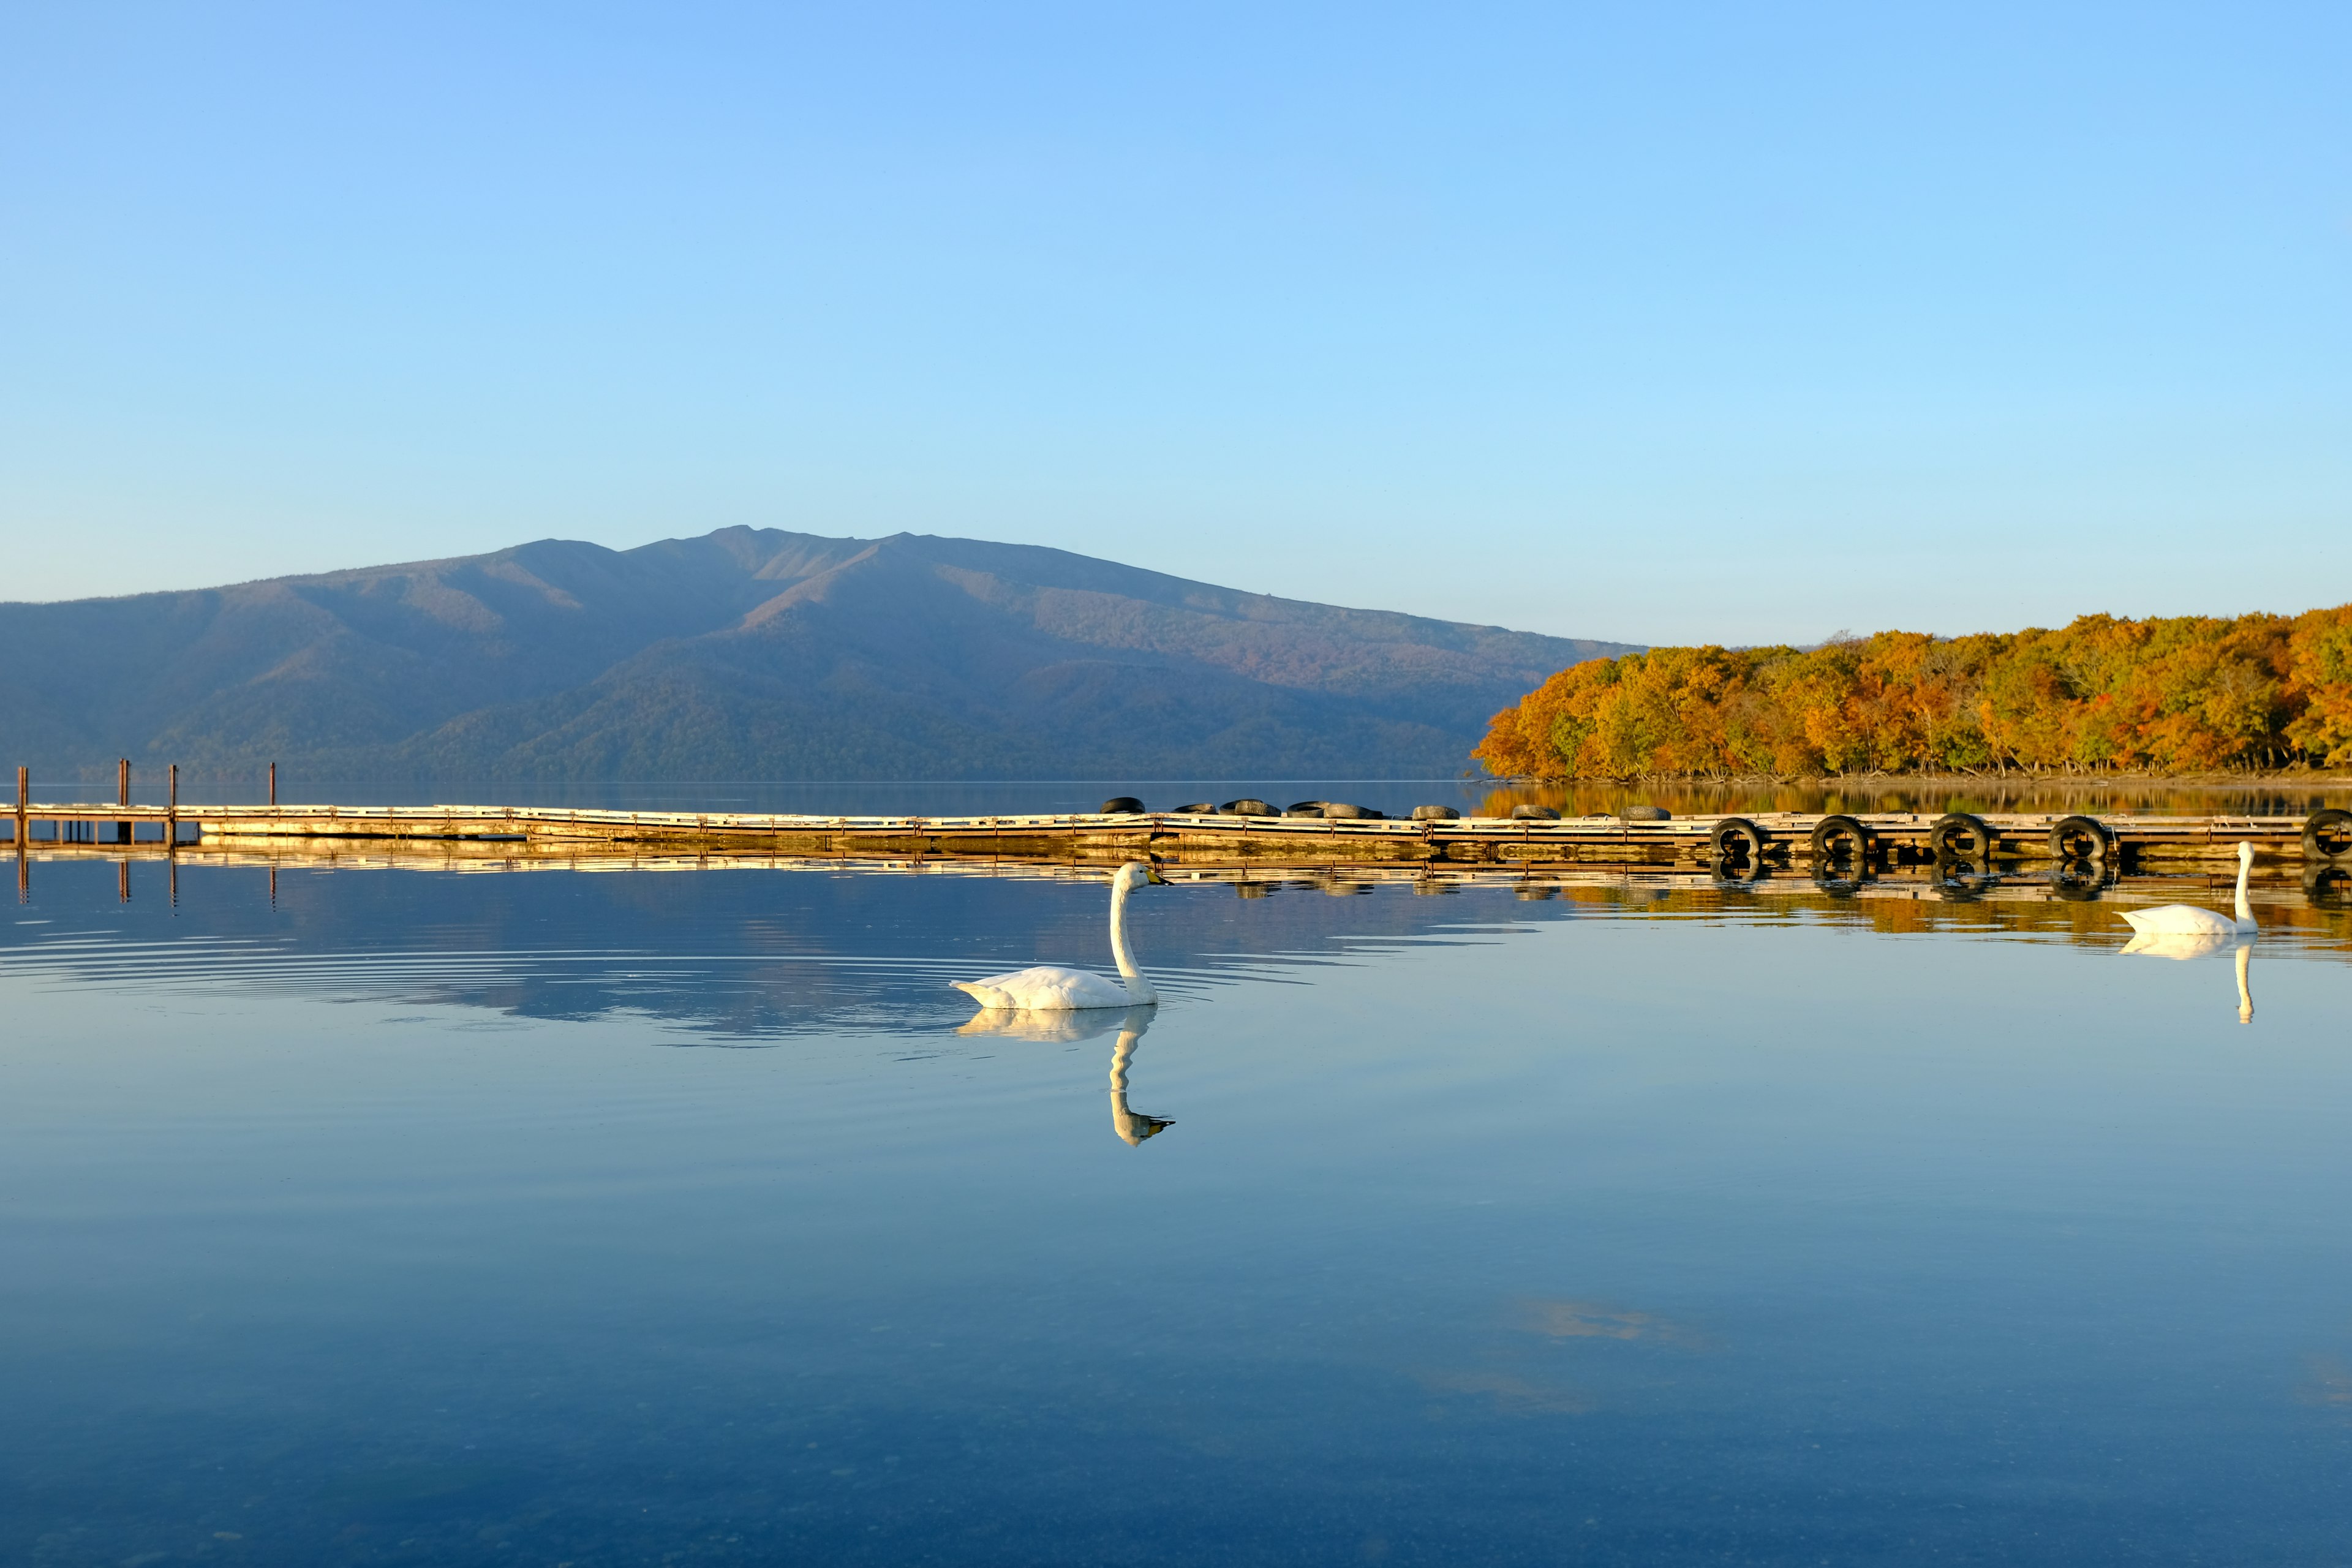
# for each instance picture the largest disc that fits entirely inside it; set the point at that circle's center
(558, 1217)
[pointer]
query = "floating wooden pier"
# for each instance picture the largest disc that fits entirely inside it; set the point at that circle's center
(1715, 842)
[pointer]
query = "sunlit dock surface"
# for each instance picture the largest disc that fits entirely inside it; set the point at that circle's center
(1762, 839)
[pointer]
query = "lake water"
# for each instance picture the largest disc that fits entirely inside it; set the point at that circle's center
(553, 1218)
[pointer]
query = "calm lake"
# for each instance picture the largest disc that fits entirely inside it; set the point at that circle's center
(555, 1217)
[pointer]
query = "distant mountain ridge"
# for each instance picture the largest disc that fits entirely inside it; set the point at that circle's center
(755, 653)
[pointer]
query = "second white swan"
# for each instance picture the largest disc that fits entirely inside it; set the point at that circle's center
(1049, 987)
(2187, 919)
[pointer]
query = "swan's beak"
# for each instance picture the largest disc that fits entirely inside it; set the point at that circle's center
(1151, 874)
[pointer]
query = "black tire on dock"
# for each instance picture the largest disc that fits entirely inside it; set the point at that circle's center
(2082, 838)
(1122, 805)
(1982, 840)
(1340, 810)
(1248, 805)
(1434, 813)
(1534, 814)
(1198, 808)
(1304, 807)
(2327, 836)
(1835, 836)
(1647, 813)
(1735, 836)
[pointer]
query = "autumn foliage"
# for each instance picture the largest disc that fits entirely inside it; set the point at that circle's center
(2189, 694)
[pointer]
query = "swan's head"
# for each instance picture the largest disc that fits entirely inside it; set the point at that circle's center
(2245, 853)
(1134, 875)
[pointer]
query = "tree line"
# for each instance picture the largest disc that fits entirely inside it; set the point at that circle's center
(2105, 694)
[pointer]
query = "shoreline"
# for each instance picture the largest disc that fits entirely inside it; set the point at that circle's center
(2301, 778)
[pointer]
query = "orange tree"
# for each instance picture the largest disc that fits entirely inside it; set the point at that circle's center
(2181, 694)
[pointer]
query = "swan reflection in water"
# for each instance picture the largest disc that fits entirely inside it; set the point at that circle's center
(1083, 1023)
(2148, 944)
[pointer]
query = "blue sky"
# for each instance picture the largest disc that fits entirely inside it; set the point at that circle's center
(1661, 324)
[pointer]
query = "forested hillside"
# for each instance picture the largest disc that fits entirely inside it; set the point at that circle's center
(2186, 694)
(752, 654)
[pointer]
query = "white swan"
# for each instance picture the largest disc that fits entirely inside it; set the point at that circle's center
(2187, 919)
(1050, 988)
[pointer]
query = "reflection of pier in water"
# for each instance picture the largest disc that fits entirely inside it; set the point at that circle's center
(1070, 1026)
(2312, 899)
(2323, 887)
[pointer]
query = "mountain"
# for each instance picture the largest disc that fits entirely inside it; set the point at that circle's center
(754, 654)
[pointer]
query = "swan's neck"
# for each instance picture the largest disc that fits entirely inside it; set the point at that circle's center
(1139, 989)
(2245, 910)
(2245, 995)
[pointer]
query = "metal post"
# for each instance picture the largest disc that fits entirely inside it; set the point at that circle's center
(273, 783)
(172, 818)
(122, 796)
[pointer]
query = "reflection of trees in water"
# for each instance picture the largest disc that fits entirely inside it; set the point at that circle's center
(1965, 904)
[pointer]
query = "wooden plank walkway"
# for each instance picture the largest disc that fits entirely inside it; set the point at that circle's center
(1898, 837)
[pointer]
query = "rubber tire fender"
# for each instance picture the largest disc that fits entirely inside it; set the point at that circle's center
(1829, 830)
(2088, 830)
(1534, 814)
(1248, 805)
(1122, 805)
(1434, 813)
(1343, 811)
(2322, 826)
(1737, 829)
(1984, 841)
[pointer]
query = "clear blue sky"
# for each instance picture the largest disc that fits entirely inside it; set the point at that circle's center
(1667, 323)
